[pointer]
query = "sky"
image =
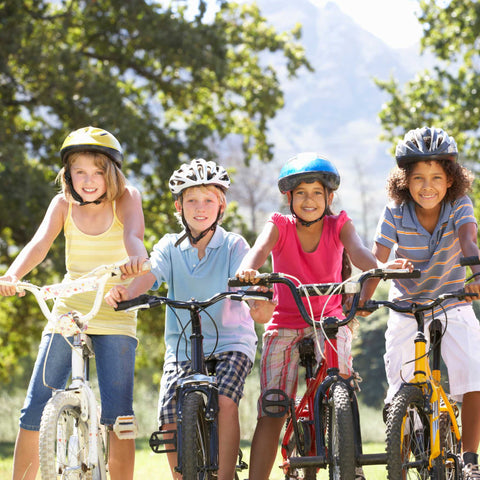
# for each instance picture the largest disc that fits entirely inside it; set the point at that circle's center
(393, 21)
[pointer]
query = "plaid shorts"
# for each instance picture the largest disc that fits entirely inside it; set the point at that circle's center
(231, 370)
(280, 358)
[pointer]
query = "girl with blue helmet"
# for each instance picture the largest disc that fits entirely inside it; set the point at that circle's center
(309, 244)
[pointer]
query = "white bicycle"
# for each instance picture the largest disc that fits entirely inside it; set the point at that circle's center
(72, 442)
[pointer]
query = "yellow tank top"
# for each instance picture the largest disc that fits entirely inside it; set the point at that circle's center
(83, 253)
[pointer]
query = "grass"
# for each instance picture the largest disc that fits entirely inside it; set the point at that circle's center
(151, 465)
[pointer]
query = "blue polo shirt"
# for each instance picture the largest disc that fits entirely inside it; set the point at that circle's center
(436, 255)
(188, 277)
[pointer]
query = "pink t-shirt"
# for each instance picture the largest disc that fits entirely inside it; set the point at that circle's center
(321, 266)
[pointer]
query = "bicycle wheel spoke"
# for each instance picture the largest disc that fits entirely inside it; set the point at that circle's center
(63, 443)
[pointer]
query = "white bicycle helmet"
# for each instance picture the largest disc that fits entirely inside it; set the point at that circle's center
(198, 172)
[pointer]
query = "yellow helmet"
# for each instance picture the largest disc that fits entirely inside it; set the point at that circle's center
(92, 139)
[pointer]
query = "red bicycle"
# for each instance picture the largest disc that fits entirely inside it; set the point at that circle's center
(323, 426)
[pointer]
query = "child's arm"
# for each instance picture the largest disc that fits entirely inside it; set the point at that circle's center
(129, 210)
(467, 235)
(259, 253)
(36, 250)
(360, 256)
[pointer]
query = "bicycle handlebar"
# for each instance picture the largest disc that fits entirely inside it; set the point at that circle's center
(305, 290)
(91, 281)
(372, 305)
(146, 301)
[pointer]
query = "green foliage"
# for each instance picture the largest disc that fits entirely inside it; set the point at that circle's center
(368, 349)
(447, 96)
(171, 86)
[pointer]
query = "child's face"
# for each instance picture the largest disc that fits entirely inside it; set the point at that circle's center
(200, 208)
(309, 200)
(428, 184)
(88, 179)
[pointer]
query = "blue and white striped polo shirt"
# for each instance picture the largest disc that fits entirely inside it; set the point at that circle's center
(436, 255)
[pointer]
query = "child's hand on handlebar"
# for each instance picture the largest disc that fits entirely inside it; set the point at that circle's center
(135, 267)
(247, 275)
(473, 287)
(9, 290)
(398, 263)
(261, 311)
(118, 293)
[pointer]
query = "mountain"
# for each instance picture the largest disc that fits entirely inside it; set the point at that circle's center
(334, 110)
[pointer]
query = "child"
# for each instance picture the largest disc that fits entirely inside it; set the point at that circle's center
(309, 244)
(197, 263)
(102, 220)
(431, 223)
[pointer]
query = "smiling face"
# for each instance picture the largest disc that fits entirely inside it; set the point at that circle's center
(309, 200)
(200, 206)
(88, 178)
(428, 184)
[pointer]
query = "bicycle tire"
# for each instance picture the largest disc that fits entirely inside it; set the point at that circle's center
(408, 454)
(449, 446)
(63, 441)
(195, 440)
(341, 435)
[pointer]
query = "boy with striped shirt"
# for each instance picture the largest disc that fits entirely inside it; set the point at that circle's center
(431, 223)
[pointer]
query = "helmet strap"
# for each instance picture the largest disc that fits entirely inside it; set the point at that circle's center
(301, 220)
(188, 232)
(74, 193)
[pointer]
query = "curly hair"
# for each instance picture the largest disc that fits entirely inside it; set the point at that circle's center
(461, 177)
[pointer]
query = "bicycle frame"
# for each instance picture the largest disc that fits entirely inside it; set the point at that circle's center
(429, 382)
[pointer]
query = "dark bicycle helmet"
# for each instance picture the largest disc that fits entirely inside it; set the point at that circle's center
(426, 143)
(308, 167)
(92, 139)
(198, 172)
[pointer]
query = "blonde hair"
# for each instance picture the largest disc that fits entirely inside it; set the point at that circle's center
(115, 180)
(219, 192)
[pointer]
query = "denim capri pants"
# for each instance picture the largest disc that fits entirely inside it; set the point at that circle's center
(115, 361)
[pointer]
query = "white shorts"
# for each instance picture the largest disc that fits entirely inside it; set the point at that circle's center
(460, 345)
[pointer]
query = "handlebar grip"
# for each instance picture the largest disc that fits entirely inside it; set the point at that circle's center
(263, 280)
(256, 295)
(464, 261)
(134, 302)
(413, 274)
(369, 306)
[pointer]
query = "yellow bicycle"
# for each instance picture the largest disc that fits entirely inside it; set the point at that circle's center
(423, 434)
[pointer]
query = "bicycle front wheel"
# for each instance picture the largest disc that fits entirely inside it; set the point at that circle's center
(451, 448)
(408, 438)
(195, 454)
(341, 441)
(63, 441)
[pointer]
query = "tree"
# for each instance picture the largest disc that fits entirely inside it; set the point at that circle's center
(165, 83)
(447, 96)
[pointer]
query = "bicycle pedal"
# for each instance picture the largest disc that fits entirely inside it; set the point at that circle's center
(126, 427)
(276, 403)
(156, 441)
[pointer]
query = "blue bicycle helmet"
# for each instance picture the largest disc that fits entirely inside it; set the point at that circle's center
(423, 144)
(308, 167)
